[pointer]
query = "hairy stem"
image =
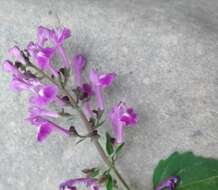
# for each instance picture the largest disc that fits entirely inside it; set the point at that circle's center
(88, 126)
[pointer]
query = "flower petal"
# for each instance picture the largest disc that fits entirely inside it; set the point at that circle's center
(71, 184)
(35, 110)
(16, 53)
(36, 120)
(58, 35)
(45, 95)
(79, 62)
(106, 79)
(44, 130)
(18, 84)
(42, 56)
(43, 34)
(129, 117)
(119, 133)
(93, 77)
(10, 68)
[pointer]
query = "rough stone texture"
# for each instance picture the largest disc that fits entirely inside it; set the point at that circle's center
(165, 53)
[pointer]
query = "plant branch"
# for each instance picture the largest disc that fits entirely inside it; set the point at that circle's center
(88, 126)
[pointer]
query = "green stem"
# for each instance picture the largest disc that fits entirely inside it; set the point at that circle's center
(88, 126)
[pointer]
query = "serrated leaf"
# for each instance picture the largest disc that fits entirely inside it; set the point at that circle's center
(109, 145)
(109, 184)
(196, 172)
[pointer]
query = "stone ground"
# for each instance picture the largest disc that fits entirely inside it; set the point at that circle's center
(165, 55)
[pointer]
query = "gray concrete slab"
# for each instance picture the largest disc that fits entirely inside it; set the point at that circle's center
(165, 55)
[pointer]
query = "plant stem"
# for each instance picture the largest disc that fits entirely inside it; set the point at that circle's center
(88, 127)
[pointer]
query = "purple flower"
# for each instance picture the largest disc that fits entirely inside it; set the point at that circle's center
(87, 110)
(78, 63)
(19, 84)
(121, 117)
(45, 127)
(16, 53)
(43, 35)
(87, 92)
(170, 183)
(20, 81)
(72, 183)
(35, 110)
(99, 82)
(44, 95)
(86, 89)
(56, 37)
(9, 67)
(42, 56)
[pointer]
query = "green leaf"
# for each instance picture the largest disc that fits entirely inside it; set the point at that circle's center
(95, 172)
(79, 141)
(99, 124)
(109, 184)
(119, 148)
(196, 172)
(109, 145)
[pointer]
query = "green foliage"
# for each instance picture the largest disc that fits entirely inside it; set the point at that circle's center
(109, 184)
(109, 144)
(99, 123)
(93, 172)
(196, 173)
(119, 148)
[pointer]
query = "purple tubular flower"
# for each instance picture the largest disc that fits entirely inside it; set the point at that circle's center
(87, 110)
(64, 57)
(45, 127)
(87, 91)
(20, 84)
(43, 57)
(43, 35)
(78, 63)
(9, 67)
(19, 81)
(15, 52)
(121, 117)
(72, 183)
(99, 82)
(35, 110)
(169, 184)
(57, 36)
(44, 95)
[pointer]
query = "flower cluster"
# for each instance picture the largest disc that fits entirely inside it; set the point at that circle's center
(33, 70)
(23, 77)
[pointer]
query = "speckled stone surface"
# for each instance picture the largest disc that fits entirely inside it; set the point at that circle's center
(165, 55)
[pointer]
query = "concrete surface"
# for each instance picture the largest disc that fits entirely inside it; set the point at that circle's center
(165, 53)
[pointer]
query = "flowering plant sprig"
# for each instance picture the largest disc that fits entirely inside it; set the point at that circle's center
(33, 70)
